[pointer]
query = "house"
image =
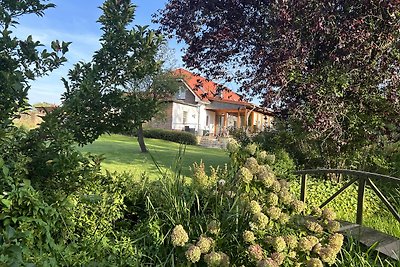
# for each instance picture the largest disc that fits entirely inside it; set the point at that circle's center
(204, 107)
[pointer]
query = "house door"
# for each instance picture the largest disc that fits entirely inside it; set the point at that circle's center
(219, 125)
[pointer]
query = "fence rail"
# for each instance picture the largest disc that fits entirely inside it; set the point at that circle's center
(363, 179)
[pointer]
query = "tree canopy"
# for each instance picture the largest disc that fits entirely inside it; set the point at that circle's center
(331, 65)
(123, 85)
(22, 60)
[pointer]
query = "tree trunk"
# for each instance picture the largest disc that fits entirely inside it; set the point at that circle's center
(140, 139)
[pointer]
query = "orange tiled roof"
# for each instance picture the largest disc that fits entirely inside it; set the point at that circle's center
(206, 89)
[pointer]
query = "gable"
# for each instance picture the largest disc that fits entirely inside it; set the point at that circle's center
(207, 90)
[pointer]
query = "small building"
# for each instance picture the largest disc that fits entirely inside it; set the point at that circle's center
(45, 109)
(204, 107)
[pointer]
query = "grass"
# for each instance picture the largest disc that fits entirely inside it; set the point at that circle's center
(122, 154)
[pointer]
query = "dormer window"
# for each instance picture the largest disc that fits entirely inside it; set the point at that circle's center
(181, 94)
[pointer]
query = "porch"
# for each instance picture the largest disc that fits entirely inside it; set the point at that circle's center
(226, 120)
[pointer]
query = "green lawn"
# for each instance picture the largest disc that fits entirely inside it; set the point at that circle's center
(122, 153)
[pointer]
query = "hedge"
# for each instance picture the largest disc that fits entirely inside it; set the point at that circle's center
(170, 135)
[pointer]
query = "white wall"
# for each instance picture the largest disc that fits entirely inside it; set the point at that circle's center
(177, 116)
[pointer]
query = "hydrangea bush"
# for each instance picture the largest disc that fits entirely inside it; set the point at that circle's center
(246, 216)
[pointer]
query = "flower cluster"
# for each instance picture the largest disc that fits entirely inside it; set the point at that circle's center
(244, 175)
(314, 227)
(201, 179)
(329, 252)
(193, 253)
(298, 206)
(254, 207)
(278, 243)
(307, 243)
(268, 262)
(205, 244)
(217, 259)
(260, 221)
(314, 262)
(265, 158)
(251, 164)
(179, 237)
(249, 237)
(328, 214)
(291, 241)
(332, 226)
(278, 257)
(272, 199)
(251, 149)
(256, 252)
(214, 227)
(233, 146)
(274, 213)
(277, 234)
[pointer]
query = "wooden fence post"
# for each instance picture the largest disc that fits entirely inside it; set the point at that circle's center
(360, 200)
(303, 188)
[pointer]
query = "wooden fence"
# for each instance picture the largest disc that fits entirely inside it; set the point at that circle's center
(362, 178)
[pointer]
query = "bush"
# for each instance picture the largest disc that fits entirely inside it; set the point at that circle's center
(170, 135)
(242, 215)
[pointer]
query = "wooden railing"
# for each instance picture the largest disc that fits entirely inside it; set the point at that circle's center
(363, 179)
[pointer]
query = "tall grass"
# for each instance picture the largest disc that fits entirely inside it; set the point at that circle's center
(354, 254)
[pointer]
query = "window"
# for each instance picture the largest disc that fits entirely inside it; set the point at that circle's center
(207, 118)
(181, 93)
(185, 115)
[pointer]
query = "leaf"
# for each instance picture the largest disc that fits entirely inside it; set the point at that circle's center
(6, 170)
(55, 45)
(6, 202)
(65, 46)
(10, 232)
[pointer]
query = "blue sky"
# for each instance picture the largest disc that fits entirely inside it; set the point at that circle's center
(75, 21)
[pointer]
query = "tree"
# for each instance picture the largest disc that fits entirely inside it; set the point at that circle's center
(22, 61)
(331, 65)
(145, 99)
(124, 84)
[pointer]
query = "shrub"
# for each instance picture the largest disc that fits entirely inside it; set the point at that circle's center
(236, 216)
(170, 135)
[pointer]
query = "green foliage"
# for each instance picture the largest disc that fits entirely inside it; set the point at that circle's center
(57, 208)
(327, 68)
(281, 162)
(170, 135)
(240, 135)
(124, 84)
(21, 61)
(209, 219)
